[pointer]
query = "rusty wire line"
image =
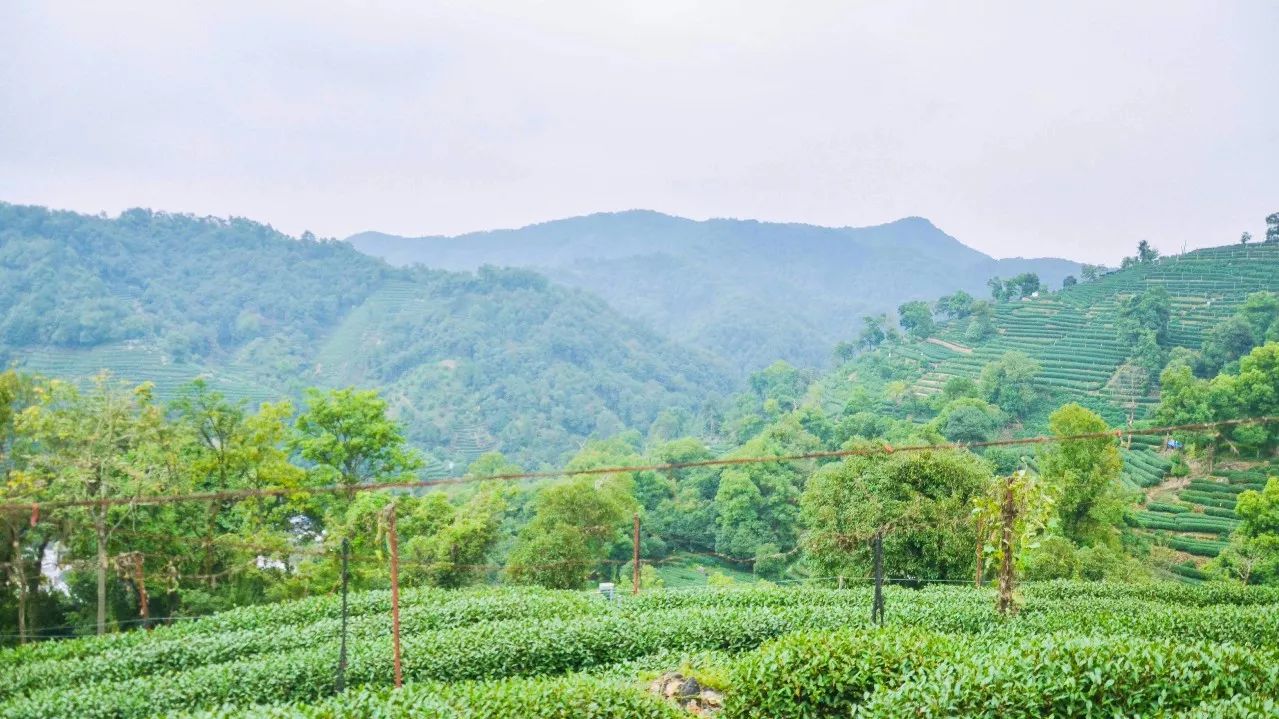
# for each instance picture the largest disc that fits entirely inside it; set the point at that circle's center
(241, 494)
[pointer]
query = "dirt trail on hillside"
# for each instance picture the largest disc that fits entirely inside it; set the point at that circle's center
(951, 346)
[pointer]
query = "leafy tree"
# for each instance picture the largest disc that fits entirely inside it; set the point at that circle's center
(981, 325)
(916, 318)
(1054, 558)
(1261, 311)
(348, 438)
(920, 502)
(781, 384)
(873, 334)
(1272, 227)
(1090, 272)
(1253, 554)
(1146, 253)
(575, 522)
(968, 420)
(1069, 281)
(1245, 238)
(1023, 285)
(756, 503)
(957, 387)
(1148, 312)
(998, 290)
(456, 552)
(106, 443)
(1225, 343)
(23, 545)
(1010, 382)
(1085, 475)
(955, 306)
(845, 351)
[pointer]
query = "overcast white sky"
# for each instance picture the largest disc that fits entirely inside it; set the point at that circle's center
(1070, 129)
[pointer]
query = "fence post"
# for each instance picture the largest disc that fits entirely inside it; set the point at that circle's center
(981, 546)
(635, 565)
(1008, 516)
(877, 607)
(341, 678)
(395, 594)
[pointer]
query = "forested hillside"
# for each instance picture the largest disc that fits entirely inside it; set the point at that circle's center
(752, 292)
(497, 359)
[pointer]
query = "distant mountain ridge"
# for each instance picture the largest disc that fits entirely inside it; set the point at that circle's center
(749, 291)
(496, 359)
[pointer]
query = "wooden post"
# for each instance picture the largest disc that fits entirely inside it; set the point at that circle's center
(341, 677)
(395, 594)
(635, 565)
(877, 606)
(1008, 516)
(139, 580)
(981, 555)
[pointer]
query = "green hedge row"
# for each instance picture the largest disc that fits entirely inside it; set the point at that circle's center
(483, 651)
(538, 698)
(174, 654)
(1071, 676)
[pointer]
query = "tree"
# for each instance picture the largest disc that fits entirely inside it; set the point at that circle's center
(1272, 227)
(1023, 285)
(575, 521)
(1085, 476)
(998, 291)
(873, 333)
(955, 306)
(1146, 253)
(1260, 310)
(981, 325)
(1090, 272)
(1150, 311)
(1253, 554)
(919, 502)
(755, 504)
(780, 383)
(17, 393)
(916, 318)
(105, 444)
(1069, 281)
(1010, 382)
(348, 438)
(1245, 238)
(1224, 343)
(968, 420)
(455, 554)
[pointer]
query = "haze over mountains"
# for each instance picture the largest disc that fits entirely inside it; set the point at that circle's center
(751, 292)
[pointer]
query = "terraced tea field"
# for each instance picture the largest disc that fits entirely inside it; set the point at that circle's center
(138, 362)
(1073, 335)
(1167, 650)
(1196, 515)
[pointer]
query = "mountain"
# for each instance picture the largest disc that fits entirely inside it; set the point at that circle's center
(751, 292)
(497, 359)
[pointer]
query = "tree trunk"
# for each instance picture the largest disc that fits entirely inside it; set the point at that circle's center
(100, 528)
(20, 580)
(1008, 516)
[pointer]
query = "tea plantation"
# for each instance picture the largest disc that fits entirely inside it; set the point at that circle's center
(1073, 333)
(1154, 650)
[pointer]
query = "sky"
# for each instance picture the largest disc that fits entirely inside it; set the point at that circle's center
(1068, 129)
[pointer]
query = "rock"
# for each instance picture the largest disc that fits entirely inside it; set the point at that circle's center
(689, 688)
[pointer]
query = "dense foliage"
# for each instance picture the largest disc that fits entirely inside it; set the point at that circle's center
(498, 359)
